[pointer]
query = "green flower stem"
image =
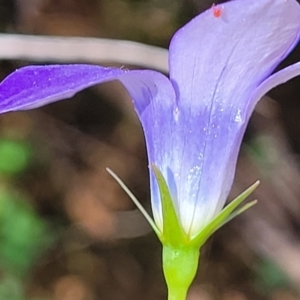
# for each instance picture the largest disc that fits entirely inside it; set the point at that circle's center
(181, 251)
(180, 264)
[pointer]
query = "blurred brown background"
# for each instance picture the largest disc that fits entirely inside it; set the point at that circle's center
(67, 231)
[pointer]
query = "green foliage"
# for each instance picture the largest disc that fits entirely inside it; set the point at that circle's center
(23, 234)
(11, 288)
(270, 277)
(14, 156)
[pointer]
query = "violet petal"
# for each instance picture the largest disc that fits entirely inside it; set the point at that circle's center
(216, 62)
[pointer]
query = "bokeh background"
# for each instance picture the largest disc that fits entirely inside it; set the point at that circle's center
(67, 231)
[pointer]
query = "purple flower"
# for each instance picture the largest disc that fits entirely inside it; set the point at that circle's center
(220, 66)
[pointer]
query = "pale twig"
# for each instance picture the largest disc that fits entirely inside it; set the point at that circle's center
(81, 49)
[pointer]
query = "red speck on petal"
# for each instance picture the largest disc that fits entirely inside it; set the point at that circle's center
(217, 11)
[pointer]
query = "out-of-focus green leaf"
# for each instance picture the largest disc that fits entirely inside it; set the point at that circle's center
(14, 156)
(23, 234)
(270, 277)
(11, 288)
